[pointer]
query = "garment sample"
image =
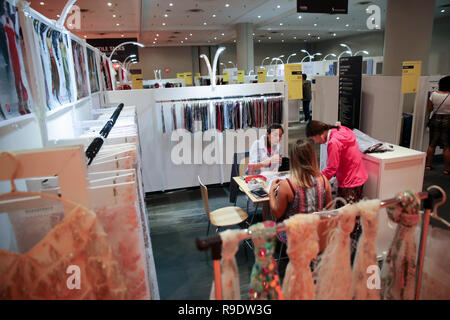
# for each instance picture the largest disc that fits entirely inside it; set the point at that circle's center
(302, 248)
(264, 282)
(92, 68)
(123, 228)
(42, 272)
(366, 254)
(334, 273)
(398, 275)
(80, 70)
(228, 266)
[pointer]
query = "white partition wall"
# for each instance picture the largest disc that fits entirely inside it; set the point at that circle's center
(160, 173)
(325, 95)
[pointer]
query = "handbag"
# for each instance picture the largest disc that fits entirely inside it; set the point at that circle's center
(434, 112)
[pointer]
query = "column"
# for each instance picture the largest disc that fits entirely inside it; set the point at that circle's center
(408, 31)
(244, 47)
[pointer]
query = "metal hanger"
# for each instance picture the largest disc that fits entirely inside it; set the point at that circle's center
(434, 215)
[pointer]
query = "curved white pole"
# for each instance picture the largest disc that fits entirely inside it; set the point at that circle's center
(346, 51)
(208, 65)
(292, 55)
(348, 48)
(160, 77)
(216, 58)
(65, 12)
(308, 56)
(330, 54)
(361, 51)
(262, 62)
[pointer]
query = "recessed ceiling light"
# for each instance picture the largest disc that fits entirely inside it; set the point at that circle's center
(282, 40)
(171, 4)
(259, 17)
(114, 15)
(41, 3)
(109, 4)
(204, 23)
(253, 33)
(227, 5)
(347, 25)
(442, 10)
(295, 37)
(163, 23)
(166, 15)
(281, 24)
(318, 38)
(259, 40)
(58, 15)
(334, 34)
(85, 36)
(122, 35)
(234, 40)
(156, 39)
(269, 29)
(157, 34)
(299, 17)
(182, 41)
(278, 6)
(117, 24)
(190, 34)
(315, 24)
(270, 38)
(154, 42)
(185, 38)
(214, 15)
(223, 34)
(215, 38)
(337, 18)
(309, 34)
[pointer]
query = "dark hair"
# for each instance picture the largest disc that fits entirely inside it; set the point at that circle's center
(275, 126)
(444, 84)
(314, 127)
(304, 76)
(303, 162)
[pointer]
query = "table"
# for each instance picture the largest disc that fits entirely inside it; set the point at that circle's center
(243, 186)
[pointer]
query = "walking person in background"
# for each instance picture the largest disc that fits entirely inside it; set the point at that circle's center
(306, 97)
(439, 104)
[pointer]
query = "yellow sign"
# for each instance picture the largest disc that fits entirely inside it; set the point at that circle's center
(188, 78)
(226, 76)
(293, 76)
(240, 76)
(180, 75)
(137, 81)
(410, 76)
(198, 75)
(262, 75)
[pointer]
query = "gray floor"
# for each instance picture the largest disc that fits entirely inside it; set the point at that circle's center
(177, 218)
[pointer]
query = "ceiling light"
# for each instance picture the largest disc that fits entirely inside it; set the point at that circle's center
(347, 25)
(58, 15)
(227, 5)
(157, 34)
(109, 4)
(309, 34)
(223, 34)
(166, 15)
(185, 38)
(282, 40)
(204, 23)
(278, 6)
(281, 24)
(163, 23)
(154, 42)
(259, 17)
(259, 40)
(122, 35)
(156, 39)
(337, 18)
(214, 15)
(334, 34)
(269, 29)
(315, 24)
(299, 17)
(171, 4)
(234, 41)
(117, 24)
(442, 10)
(215, 38)
(295, 37)
(85, 36)
(190, 34)
(114, 15)
(270, 38)
(181, 41)
(41, 3)
(318, 38)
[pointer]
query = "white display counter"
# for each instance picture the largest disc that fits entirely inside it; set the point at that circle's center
(390, 173)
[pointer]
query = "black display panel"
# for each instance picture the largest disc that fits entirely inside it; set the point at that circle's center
(323, 6)
(350, 76)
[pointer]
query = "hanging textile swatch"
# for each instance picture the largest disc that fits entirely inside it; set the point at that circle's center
(398, 273)
(79, 61)
(364, 288)
(302, 248)
(228, 266)
(15, 97)
(93, 74)
(105, 72)
(41, 272)
(264, 282)
(334, 272)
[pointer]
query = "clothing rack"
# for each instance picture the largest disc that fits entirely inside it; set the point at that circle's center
(429, 197)
(264, 95)
(97, 143)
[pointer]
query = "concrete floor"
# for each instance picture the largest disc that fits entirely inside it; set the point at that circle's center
(177, 218)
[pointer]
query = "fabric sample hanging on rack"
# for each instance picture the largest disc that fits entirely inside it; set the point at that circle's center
(14, 91)
(366, 254)
(228, 267)
(41, 273)
(334, 272)
(92, 68)
(79, 61)
(302, 248)
(264, 282)
(398, 273)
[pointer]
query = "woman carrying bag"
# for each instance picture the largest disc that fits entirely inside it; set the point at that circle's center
(439, 123)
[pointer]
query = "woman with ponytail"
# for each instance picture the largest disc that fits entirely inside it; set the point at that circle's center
(343, 161)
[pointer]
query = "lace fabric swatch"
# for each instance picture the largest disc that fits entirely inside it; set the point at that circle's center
(264, 282)
(334, 273)
(398, 274)
(229, 269)
(366, 254)
(302, 248)
(41, 273)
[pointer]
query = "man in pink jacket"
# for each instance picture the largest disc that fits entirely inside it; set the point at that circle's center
(343, 161)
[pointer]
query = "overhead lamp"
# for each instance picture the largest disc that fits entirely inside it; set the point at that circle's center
(361, 51)
(262, 62)
(344, 52)
(346, 46)
(330, 54)
(231, 62)
(292, 55)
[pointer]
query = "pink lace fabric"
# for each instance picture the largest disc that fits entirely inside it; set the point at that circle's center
(302, 248)
(366, 282)
(334, 273)
(229, 270)
(41, 273)
(122, 225)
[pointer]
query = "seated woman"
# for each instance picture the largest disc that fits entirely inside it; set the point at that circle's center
(307, 190)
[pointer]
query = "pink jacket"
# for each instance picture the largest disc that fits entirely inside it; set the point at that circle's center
(344, 159)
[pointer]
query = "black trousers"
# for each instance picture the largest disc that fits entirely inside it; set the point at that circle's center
(306, 110)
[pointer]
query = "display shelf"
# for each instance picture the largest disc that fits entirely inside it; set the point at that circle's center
(17, 120)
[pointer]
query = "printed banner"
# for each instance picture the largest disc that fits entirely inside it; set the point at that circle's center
(410, 76)
(293, 76)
